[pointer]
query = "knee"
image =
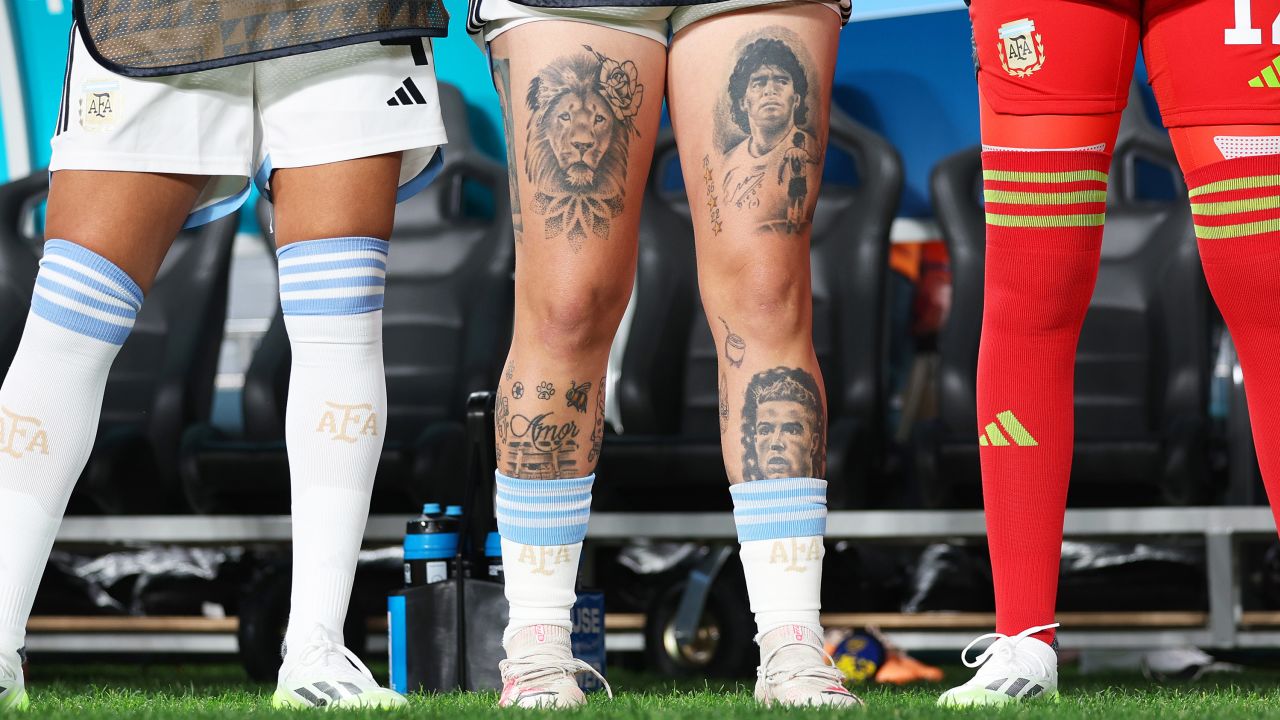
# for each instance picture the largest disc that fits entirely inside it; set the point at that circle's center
(575, 319)
(772, 305)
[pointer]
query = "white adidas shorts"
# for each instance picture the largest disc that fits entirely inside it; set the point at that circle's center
(487, 19)
(240, 122)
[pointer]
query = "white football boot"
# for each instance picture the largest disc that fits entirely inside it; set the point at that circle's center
(13, 688)
(540, 670)
(1011, 669)
(324, 674)
(795, 670)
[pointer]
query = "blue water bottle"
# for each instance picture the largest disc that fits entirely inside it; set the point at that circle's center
(430, 542)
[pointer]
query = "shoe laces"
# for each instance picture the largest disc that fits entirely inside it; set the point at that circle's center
(537, 667)
(825, 672)
(321, 647)
(1003, 650)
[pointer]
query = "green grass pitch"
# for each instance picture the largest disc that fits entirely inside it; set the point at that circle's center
(220, 691)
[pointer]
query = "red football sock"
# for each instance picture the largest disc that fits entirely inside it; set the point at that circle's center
(1236, 208)
(1045, 212)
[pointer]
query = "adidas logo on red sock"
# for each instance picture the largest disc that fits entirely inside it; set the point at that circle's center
(1015, 429)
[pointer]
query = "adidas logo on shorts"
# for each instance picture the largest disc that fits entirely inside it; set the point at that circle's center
(407, 94)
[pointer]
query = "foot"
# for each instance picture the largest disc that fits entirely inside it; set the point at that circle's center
(1011, 669)
(540, 670)
(796, 671)
(13, 689)
(324, 674)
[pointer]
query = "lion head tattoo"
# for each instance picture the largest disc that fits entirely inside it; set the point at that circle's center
(576, 154)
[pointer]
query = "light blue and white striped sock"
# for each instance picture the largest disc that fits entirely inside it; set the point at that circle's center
(780, 527)
(542, 524)
(81, 312)
(331, 293)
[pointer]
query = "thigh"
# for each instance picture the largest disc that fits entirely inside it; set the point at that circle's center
(1213, 62)
(129, 218)
(750, 94)
(582, 102)
(352, 198)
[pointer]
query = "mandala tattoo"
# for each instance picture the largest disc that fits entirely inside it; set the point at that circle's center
(783, 426)
(583, 118)
(770, 149)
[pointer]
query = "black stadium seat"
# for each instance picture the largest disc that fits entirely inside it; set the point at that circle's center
(1142, 366)
(161, 382)
(446, 324)
(667, 390)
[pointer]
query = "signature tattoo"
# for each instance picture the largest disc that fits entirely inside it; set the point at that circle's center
(597, 433)
(517, 390)
(583, 118)
(713, 203)
(735, 348)
(783, 426)
(541, 449)
(502, 81)
(770, 148)
(577, 395)
(724, 403)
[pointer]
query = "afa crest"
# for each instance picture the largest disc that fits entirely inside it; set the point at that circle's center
(1021, 48)
(99, 105)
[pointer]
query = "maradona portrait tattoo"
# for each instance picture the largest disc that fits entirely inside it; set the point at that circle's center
(502, 81)
(583, 118)
(771, 151)
(783, 426)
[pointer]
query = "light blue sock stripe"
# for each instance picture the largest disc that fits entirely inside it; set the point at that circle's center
(345, 282)
(550, 512)
(332, 245)
(318, 301)
(53, 286)
(779, 508)
(79, 322)
(356, 305)
(333, 265)
(97, 263)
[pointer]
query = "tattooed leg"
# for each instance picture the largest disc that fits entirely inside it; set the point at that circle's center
(581, 119)
(749, 94)
(581, 104)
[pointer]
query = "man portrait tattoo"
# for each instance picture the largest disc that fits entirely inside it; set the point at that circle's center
(597, 433)
(783, 426)
(541, 449)
(546, 390)
(735, 348)
(583, 118)
(502, 81)
(772, 156)
(577, 395)
(517, 390)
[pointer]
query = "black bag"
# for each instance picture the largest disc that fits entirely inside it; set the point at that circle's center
(148, 38)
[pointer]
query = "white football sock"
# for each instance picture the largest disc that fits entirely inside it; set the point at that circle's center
(331, 294)
(542, 524)
(780, 527)
(81, 313)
